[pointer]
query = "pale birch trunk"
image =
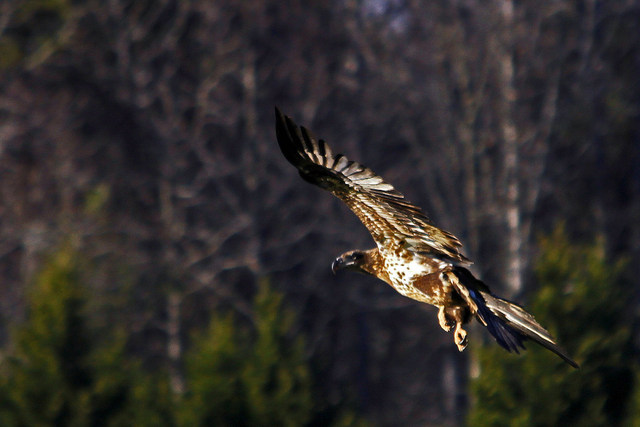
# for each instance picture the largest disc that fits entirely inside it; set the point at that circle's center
(508, 132)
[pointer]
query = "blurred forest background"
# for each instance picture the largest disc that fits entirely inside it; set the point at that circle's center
(162, 264)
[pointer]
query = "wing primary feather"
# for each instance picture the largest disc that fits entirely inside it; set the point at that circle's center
(340, 163)
(325, 151)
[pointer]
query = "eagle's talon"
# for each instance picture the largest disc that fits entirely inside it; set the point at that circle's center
(461, 338)
(445, 323)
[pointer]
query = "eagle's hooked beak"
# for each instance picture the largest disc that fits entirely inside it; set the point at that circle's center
(351, 260)
(337, 264)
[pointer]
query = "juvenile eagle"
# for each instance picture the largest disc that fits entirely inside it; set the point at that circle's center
(416, 258)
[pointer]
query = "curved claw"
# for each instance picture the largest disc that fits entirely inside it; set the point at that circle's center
(445, 323)
(460, 337)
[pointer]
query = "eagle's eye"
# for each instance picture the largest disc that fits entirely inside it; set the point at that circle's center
(357, 256)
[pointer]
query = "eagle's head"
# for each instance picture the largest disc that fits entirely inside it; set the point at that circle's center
(351, 260)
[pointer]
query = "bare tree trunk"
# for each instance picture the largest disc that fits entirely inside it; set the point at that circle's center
(449, 386)
(507, 97)
(174, 344)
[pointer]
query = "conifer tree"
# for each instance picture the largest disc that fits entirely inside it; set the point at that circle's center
(583, 299)
(63, 371)
(254, 377)
(47, 381)
(277, 379)
(213, 369)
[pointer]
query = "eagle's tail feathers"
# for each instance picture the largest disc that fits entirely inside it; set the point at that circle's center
(511, 325)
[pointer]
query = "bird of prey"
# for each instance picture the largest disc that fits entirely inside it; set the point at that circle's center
(416, 258)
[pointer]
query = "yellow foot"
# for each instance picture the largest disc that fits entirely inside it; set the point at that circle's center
(444, 323)
(460, 337)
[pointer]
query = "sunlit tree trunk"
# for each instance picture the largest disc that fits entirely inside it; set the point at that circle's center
(506, 101)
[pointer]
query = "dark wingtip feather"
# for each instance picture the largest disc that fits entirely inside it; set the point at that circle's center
(287, 133)
(508, 338)
(510, 335)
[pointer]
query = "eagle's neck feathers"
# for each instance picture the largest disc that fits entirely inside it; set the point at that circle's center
(374, 265)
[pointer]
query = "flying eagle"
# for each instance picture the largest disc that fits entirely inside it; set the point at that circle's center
(416, 258)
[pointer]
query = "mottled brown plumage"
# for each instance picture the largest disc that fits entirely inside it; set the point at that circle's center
(412, 255)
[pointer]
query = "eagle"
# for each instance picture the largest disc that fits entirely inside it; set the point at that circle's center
(418, 259)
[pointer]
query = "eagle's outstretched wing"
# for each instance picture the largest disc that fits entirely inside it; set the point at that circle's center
(383, 210)
(509, 323)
